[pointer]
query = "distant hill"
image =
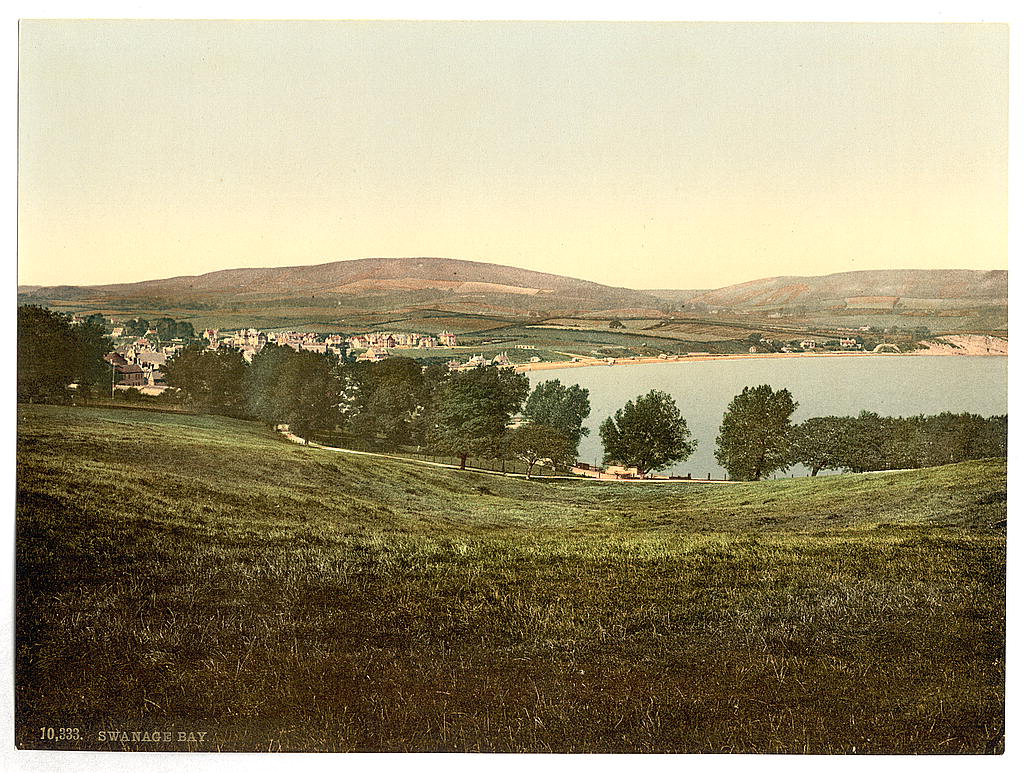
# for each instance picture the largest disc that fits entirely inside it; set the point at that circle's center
(865, 290)
(373, 282)
(385, 285)
(677, 296)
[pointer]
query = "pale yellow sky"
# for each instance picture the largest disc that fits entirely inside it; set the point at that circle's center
(641, 155)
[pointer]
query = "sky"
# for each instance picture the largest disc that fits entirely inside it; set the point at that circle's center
(645, 155)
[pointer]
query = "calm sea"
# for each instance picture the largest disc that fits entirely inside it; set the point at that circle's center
(840, 386)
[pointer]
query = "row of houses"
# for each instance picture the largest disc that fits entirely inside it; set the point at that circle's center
(479, 361)
(807, 345)
(375, 346)
(251, 341)
(138, 363)
(399, 340)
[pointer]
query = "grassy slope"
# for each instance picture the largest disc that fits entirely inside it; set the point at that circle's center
(198, 572)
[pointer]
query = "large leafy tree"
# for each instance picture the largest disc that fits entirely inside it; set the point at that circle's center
(213, 381)
(98, 320)
(89, 344)
(649, 434)
(306, 393)
(868, 444)
(136, 327)
(168, 329)
(562, 408)
(53, 353)
(387, 400)
(471, 410)
(820, 443)
(994, 437)
(905, 442)
(536, 443)
(434, 377)
(753, 440)
(261, 378)
(958, 437)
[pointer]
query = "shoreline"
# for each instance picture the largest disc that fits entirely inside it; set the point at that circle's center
(703, 357)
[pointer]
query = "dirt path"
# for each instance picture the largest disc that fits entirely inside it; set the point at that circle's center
(312, 444)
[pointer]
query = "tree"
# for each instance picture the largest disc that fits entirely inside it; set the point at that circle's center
(213, 381)
(98, 320)
(563, 408)
(993, 442)
(904, 445)
(261, 378)
(819, 443)
(306, 393)
(958, 437)
(867, 443)
(434, 376)
(872, 442)
(471, 410)
(535, 443)
(649, 434)
(753, 440)
(53, 353)
(387, 398)
(165, 328)
(168, 329)
(136, 327)
(89, 344)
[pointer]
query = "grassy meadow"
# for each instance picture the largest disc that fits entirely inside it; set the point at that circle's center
(200, 574)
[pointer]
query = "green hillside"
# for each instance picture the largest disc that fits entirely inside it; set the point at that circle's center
(186, 572)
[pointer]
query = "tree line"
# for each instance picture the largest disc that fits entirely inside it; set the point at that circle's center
(871, 442)
(167, 329)
(757, 437)
(389, 405)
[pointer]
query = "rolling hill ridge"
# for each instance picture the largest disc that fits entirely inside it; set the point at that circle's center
(860, 289)
(404, 280)
(418, 287)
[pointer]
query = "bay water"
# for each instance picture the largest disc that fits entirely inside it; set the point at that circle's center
(822, 386)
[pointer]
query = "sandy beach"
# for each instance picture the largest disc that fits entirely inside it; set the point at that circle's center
(696, 357)
(703, 357)
(967, 346)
